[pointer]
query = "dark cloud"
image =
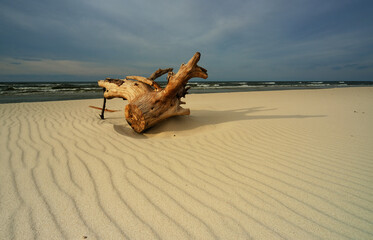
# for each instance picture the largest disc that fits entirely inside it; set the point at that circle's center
(239, 40)
(352, 66)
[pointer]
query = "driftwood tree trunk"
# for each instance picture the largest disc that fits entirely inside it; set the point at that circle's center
(148, 103)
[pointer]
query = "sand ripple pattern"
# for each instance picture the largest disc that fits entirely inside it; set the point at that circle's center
(65, 174)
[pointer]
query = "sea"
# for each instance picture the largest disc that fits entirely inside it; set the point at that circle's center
(15, 92)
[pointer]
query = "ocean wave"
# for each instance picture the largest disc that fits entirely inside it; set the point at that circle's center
(92, 89)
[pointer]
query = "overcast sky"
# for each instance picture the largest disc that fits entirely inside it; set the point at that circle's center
(239, 40)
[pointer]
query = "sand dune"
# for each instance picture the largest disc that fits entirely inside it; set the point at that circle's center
(258, 165)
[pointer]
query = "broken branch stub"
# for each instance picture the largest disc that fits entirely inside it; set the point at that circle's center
(148, 103)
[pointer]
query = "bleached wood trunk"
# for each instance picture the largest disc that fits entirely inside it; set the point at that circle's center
(148, 103)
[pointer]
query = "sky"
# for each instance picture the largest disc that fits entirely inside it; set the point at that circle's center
(239, 40)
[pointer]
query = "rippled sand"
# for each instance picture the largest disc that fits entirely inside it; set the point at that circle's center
(258, 165)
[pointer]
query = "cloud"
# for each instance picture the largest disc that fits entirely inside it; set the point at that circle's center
(243, 40)
(354, 66)
(11, 66)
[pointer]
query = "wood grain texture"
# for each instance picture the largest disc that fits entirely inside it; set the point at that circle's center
(149, 104)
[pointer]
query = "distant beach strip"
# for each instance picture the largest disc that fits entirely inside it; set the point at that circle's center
(13, 92)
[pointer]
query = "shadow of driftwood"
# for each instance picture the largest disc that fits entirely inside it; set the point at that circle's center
(125, 129)
(204, 119)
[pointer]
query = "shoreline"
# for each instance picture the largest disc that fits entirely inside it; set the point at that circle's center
(289, 164)
(46, 97)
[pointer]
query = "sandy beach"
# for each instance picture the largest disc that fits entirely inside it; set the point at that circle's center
(252, 165)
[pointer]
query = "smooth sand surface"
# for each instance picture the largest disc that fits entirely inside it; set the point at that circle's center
(257, 165)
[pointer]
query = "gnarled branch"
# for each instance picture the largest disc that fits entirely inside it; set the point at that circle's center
(147, 107)
(146, 80)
